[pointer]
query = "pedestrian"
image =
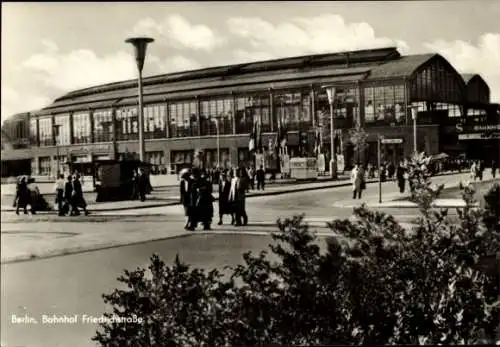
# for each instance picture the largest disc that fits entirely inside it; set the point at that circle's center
(493, 169)
(224, 190)
(382, 173)
(68, 196)
(261, 177)
(202, 198)
(473, 171)
(142, 184)
(59, 188)
(185, 195)
(237, 197)
(480, 169)
(390, 170)
(22, 197)
(78, 199)
(251, 177)
(357, 178)
(400, 176)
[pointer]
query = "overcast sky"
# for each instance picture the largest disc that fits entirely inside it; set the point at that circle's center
(52, 48)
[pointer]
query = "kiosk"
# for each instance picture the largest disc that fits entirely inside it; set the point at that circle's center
(303, 168)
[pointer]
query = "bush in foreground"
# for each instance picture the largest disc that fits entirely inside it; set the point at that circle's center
(375, 283)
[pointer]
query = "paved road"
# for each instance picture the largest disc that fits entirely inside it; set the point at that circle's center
(73, 284)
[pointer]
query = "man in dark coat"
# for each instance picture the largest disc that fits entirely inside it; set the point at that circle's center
(224, 189)
(400, 176)
(78, 199)
(201, 200)
(22, 198)
(142, 184)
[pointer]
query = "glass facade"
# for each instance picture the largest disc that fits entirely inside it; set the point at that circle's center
(81, 127)
(63, 134)
(34, 131)
(294, 108)
(183, 119)
(385, 105)
(103, 125)
(45, 128)
(155, 118)
(216, 111)
(250, 109)
(437, 82)
(127, 124)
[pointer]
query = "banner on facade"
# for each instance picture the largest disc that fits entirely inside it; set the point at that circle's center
(340, 163)
(321, 163)
(260, 161)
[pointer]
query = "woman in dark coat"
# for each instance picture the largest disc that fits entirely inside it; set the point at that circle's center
(224, 205)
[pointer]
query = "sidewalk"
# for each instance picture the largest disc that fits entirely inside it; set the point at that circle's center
(272, 189)
(152, 201)
(394, 199)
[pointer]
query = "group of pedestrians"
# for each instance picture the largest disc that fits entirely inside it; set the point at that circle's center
(197, 198)
(69, 196)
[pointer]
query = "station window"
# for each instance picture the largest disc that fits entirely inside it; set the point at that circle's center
(217, 111)
(252, 108)
(81, 128)
(63, 132)
(45, 128)
(183, 119)
(103, 125)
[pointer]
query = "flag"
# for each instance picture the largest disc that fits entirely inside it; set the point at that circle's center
(255, 141)
(317, 141)
(251, 141)
(282, 134)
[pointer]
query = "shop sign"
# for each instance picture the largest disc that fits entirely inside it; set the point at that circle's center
(92, 148)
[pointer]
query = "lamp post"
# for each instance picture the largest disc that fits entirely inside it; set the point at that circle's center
(56, 133)
(140, 45)
(330, 91)
(414, 113)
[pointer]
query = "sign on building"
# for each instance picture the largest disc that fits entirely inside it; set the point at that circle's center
(391, 141)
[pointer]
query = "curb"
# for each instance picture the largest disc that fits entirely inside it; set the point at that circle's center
(298, 190)
(76, 250)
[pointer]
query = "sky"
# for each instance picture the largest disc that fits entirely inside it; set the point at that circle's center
(49, 49)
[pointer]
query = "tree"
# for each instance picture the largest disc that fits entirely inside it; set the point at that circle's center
(358, 137)
(375, 283)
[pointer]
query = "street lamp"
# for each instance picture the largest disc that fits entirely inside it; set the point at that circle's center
(414, 113)
(330, 91)
(56, 134)
(140, 45)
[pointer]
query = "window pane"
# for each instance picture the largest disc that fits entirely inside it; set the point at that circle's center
(81, 127)
(103, 125)
(127, 124)
(45, 128)
(63, 132)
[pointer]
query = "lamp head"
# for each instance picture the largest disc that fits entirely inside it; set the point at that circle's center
(140, 44)
(330, 92)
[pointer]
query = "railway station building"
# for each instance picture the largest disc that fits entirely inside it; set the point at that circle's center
(376, 90)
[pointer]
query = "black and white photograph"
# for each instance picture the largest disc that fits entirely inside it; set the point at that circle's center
(250, 173)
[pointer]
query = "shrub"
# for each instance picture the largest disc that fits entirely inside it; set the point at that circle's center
(375, 283)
